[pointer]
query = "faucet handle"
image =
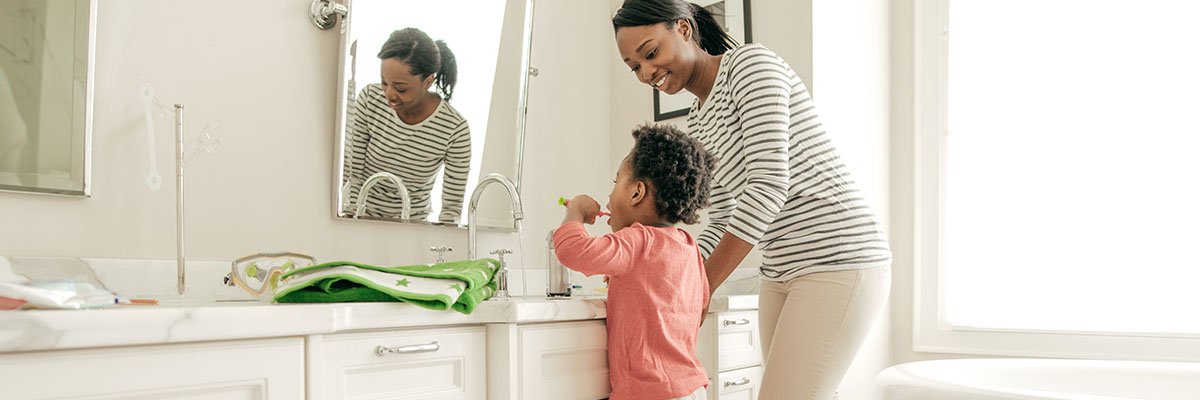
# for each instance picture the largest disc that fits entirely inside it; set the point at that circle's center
(500, 254)
(441, 250)
(501, 277)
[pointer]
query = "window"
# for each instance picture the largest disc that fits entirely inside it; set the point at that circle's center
(1058, 161)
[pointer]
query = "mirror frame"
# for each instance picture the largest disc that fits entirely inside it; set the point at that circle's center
(524, 73)
(81, 124)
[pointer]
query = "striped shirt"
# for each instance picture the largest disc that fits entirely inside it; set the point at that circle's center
(779, 182)
(379, 141)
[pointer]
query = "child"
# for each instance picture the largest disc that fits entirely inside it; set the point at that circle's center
(657, 284)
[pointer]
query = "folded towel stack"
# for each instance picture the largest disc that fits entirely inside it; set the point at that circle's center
(457, 285)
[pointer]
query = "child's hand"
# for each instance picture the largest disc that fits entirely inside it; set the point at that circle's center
(583, 208)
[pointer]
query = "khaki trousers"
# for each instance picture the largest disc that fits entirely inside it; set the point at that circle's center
(812, 327)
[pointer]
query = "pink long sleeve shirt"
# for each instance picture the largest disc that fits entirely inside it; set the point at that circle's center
(657, 290)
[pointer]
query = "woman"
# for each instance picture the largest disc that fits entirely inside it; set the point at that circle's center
(401, 126)
(779, 184)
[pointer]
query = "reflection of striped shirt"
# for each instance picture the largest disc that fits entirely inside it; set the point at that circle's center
(379, 141)
(779, 180)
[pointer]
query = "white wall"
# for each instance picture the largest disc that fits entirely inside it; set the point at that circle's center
(268, 77)
(851, 74)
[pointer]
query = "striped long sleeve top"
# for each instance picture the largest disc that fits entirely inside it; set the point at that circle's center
(377, 140)
(779, 182)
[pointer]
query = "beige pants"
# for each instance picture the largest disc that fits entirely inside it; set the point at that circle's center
(812, 327)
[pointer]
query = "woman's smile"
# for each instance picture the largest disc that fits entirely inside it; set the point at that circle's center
(661, 83)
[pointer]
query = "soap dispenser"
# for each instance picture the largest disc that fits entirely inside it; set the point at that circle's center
(558, 279)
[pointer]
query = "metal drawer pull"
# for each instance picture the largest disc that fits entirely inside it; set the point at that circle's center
(742, 321)
(739, 382)
(414, 349)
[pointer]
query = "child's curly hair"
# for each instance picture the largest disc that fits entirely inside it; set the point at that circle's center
(676, 166)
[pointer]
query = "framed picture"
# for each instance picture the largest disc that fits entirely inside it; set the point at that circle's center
(734, 16)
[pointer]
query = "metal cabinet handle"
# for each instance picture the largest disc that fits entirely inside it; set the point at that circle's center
(742, 321)
(382, 350)
(739, 382)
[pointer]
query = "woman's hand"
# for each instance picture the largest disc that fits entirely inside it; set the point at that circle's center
(583, 208)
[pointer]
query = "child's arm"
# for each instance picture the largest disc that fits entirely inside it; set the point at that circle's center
(611, 254)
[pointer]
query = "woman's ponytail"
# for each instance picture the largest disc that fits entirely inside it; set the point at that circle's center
(712, 38)
(447, 75)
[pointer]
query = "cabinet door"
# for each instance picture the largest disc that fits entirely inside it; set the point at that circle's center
(740, 384)
(564, 361)
(440, 363)
(234, 370)
(738, 343)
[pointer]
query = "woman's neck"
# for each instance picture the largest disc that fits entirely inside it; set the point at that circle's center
(704, 75)
(423, 110)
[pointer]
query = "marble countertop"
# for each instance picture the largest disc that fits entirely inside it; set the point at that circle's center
(178, 322)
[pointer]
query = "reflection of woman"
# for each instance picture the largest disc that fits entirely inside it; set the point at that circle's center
(402, 127)
(779, 183)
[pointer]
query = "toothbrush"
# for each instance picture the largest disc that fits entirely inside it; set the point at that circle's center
(564, 201)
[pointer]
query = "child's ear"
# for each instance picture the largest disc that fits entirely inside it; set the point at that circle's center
(639, 193)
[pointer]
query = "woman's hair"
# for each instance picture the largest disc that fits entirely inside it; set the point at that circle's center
(711, 37)
(424, 57)
(676, 167)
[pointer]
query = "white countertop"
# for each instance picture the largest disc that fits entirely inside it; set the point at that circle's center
(33, 330)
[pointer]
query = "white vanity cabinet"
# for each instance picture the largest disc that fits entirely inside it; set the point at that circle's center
(556, 360)
(731, 351)
(434, 363)
(234, 370)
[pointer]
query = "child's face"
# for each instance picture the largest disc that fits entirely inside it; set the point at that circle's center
(620, 200)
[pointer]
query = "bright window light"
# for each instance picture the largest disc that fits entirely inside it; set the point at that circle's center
(1072, 176)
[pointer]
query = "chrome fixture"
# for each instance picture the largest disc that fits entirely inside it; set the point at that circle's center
(179, 263)
(441, 250)
(324, 13)
(558, 280)
(501, 277)
(374, 180)
(514, 197)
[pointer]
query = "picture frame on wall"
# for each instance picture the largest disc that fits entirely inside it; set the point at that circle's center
(734, 16)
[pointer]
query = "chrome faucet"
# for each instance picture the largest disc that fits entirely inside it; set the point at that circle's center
(374, 180)
(513, 196)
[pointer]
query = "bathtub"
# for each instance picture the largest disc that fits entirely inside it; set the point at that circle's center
(1028, 378)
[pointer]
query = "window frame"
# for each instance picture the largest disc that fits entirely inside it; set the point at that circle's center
(930, 332)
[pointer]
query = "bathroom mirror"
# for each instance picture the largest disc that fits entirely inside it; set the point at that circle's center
(442, 153)
(46, 59)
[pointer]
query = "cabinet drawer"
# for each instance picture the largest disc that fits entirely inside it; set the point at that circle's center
(738, 343)
(444, 363)
(739, 384)
(564, 361)
(242, 369)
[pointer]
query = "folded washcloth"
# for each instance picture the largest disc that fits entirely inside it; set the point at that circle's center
(460, 285)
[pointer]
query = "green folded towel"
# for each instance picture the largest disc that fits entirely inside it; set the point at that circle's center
(458, 285)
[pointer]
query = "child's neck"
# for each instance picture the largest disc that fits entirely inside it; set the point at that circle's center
(654, 220)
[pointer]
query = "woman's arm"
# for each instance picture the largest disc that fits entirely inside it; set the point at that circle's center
(761, 94)
(458, 164)
(730, 252)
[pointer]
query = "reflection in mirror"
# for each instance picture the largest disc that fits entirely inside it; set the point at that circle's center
(429, 99)
(45, 90)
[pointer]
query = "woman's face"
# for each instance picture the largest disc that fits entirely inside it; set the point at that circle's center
(661, 56)
(404, 91)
